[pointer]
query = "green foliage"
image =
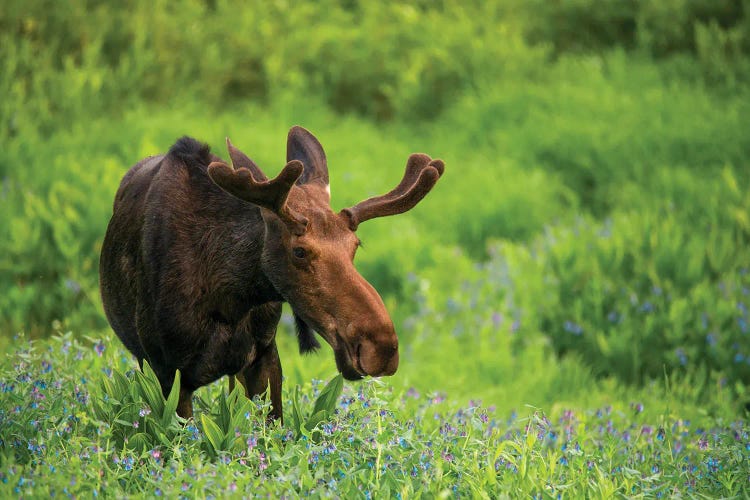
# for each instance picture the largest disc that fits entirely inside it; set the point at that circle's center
(323, 409)
(586, 251)
(135, 410)
(376, 440)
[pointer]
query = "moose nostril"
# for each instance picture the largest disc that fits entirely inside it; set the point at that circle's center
(377, 357)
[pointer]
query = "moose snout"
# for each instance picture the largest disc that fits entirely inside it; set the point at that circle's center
(378, 357)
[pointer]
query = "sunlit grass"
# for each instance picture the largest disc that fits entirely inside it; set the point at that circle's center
(380, 441)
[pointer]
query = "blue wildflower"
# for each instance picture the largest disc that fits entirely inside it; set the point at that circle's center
(497, 319)
(613, 317)
(680, 353)
(99, 347)
(573, 328)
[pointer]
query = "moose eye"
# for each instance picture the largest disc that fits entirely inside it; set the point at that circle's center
(299, 252)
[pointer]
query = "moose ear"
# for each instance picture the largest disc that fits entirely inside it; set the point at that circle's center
(303, 146)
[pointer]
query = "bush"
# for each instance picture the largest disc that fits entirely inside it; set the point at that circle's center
(661, 288)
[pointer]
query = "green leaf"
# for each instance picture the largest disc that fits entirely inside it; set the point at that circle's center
(315, 419)
(213, 433)
(296, 414)
(172, 400)
(139, 441)
(151, 388)
(224, 414)
(329, 396)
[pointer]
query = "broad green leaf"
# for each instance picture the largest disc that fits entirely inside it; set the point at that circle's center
(139, 441)
(329, 396)
(172, 401)
(213, 433)
(315, 419)
(224, 415)
(151, 388)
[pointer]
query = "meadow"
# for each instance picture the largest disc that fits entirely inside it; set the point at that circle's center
(571, 299)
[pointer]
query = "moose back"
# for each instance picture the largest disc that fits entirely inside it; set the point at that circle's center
(200, 255)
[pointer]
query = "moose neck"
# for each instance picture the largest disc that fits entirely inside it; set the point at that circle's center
(246, 284)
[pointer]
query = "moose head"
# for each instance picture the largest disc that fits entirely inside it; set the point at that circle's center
(308, 249)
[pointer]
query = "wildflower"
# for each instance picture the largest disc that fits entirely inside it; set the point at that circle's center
(613, 317)
(573, 328)
(680, 353)
(72, 285)
(194, 432)
(252, 442)
(144, 411)
(412, 393)
(497, 319)
(437, 398)
(515, 326)
(99, 348)
(742, 308)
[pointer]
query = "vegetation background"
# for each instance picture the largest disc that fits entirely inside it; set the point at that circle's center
(588, 246)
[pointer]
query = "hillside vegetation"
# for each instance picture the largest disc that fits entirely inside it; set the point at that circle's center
(587, 247)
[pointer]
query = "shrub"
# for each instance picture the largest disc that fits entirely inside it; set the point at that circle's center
(656, 289)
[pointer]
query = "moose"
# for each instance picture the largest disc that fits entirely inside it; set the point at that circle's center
(199, 256)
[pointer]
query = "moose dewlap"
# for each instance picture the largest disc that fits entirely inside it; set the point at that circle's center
(199, 256)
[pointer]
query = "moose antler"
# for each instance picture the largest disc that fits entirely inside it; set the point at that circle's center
(270, 194)
(420, 176)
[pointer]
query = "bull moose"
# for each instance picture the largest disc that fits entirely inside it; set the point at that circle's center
(199, 257)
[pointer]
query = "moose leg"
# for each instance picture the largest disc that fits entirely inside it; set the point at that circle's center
(264, 373)
(185, 404)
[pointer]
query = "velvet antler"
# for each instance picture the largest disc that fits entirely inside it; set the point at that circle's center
(420, 176)
(271, 194)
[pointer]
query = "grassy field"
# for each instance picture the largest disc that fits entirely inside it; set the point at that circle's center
(571, 299)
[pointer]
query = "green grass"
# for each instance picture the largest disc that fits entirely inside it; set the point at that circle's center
(69, 429)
